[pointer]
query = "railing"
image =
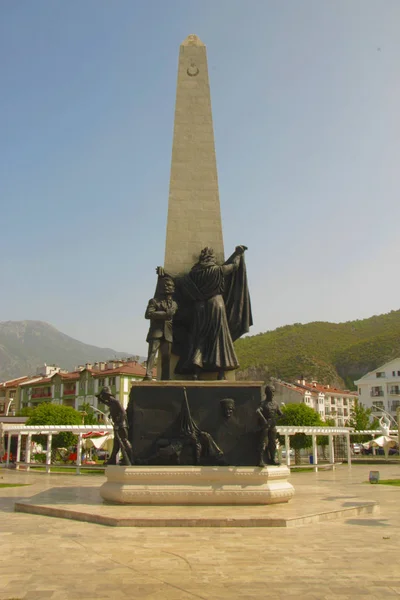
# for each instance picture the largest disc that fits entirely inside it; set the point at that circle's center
(376, 394)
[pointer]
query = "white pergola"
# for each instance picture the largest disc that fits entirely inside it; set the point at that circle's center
(314, 432)
(48, 430)
(79, 430)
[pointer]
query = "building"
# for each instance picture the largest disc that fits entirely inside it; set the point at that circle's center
(81, 385)
(9, 396)
(380, 388)
(326, 400)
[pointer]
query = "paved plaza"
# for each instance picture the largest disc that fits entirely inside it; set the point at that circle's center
(350, 557)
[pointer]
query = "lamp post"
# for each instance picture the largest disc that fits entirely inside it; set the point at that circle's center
(106, 417)
(393, 420)
(11, 400)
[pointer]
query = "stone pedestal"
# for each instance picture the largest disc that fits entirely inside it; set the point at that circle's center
(181, 485)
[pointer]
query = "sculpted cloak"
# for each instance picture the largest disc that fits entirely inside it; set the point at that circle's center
(215, 311)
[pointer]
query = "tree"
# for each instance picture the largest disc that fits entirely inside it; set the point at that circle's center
(303, 416)
(54, 414)
(360, 419)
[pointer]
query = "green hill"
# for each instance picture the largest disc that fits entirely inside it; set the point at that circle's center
(334, 353)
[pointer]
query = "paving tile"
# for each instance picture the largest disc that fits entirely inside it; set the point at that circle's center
(43, 557)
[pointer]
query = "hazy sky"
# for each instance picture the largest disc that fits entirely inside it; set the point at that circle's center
(306, 104)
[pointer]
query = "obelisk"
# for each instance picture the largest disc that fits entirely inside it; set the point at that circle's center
(194, 215)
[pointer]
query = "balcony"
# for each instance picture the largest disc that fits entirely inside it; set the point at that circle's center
(394, 391)
(41, 395)
(376, 393)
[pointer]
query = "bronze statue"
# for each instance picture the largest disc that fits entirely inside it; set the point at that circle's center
(160, 311)
(216, 304)
(120, 423)
(268, 413)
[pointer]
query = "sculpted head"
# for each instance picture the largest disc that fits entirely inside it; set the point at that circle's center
(169, 286)
(228, 407)
(207, 255)
(104, 394)
(269, 393)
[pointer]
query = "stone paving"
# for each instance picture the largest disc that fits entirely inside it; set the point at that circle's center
(357, 557)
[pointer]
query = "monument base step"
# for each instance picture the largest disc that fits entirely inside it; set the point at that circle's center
(174, 485)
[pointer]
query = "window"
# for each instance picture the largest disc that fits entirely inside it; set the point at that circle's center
(393, 373)
(380, 374)
(332, 400)
(376, 391)
(398, 373)
(102, 382)
(359, 391)
(112, 380)
(394, 390)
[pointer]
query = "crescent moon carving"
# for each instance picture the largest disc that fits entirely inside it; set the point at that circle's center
(192, 70)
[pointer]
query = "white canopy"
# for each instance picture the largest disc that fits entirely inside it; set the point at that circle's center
(383, 441)
(103, 441)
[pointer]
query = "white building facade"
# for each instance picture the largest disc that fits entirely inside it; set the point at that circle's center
(327, 401)
(380, 388)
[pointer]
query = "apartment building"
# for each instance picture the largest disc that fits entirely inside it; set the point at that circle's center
(380, 389)
(327, 401)
(80, 386)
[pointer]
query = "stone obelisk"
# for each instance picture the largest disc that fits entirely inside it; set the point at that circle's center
(194, 215)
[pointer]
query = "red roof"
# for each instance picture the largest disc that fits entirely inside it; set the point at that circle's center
(128, 369)
(73, 375)
(317, 388)
(14, 382)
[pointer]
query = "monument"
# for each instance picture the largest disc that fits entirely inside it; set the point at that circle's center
(197, 435)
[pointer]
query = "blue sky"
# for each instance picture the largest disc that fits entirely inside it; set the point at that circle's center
(306, 98)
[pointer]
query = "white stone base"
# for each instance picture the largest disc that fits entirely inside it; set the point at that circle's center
(196, 485)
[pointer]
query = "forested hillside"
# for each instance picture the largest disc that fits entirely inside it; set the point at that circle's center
(335, 353)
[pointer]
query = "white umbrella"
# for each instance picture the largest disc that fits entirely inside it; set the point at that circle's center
(101, 441)
(383, 441)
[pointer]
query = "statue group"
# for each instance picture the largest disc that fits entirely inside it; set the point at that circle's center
(199, 315)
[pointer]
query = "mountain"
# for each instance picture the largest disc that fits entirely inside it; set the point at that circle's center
(26, 345)
(334, 353)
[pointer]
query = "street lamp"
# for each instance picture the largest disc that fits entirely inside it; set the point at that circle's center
(393, 420)
(9, 405)
(106, 417)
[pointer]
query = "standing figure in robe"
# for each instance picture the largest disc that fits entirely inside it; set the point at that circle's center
(216, 303)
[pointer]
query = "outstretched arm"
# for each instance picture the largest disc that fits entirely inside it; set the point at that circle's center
(233, 262)
(161, 272)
